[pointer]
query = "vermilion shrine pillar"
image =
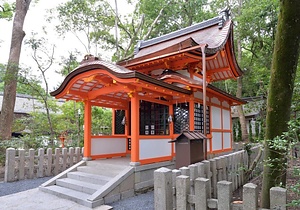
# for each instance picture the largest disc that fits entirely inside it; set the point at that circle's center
(135, 129)
(87, 129)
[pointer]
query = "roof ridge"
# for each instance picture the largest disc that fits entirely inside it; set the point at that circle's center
(198, 26)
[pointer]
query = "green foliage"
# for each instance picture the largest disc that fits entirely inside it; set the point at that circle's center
(68, 63)
(250, 132)
(6, 10)
(295, 188)
(237, 131)
(101, 121)
(94, 19)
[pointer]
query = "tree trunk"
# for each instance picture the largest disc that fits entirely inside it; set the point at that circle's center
(240, 86)
(283, 70)
(10, 84)
(240, 110)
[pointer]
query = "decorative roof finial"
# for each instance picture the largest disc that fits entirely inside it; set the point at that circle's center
(88, 58)
(223, 16)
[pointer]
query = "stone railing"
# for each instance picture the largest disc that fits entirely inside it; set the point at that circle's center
(181, 192)
(21, 164)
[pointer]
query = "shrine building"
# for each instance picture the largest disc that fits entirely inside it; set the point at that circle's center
(165, 89)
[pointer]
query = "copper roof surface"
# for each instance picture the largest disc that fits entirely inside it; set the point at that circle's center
(116, 70)
(213, 36)
(180, 48)
(180, 78)
(191, 135)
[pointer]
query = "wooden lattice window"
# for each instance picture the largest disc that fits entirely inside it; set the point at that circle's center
(153, 118)
(119, 122)
(198, 118)
(181, 117)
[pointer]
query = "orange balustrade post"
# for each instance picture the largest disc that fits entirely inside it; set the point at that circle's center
(87, 129)
(192, 114)
(171, 127)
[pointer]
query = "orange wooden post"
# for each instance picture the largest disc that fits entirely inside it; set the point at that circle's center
(87, 129)
(113, 117)
(171, 113)
(135, 128)
(192, 115)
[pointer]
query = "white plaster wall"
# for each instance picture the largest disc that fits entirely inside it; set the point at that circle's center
(215, 100)
(216, 141)
(226, 119)
(101, 146)
(227, 140)
(225, 104)
(155, 148)
(216, 117)
(198, 95)
(208, 145)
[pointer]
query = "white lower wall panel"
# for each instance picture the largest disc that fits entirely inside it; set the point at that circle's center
(208, 145)
(101, 146)
(216, 117)
(216, 141)
(155, 148)
(227, 140)
(226, 119)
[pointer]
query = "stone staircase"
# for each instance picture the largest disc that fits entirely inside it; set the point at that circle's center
(93, 183)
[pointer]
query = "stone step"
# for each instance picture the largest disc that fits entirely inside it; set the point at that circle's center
(88, 177)
(78, 185)
(78, 197)
(108, 163)
(103, 171)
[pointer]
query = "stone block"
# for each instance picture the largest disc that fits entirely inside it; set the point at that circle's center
(127, 194)
(112, 198)
(127, 184)
(114, 191)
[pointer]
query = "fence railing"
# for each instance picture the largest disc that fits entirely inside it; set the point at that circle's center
(230, 167)
(182, 192)
(21, 164)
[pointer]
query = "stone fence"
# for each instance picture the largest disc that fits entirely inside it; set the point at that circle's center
(182, 192)
(230, 167)
(21, 164)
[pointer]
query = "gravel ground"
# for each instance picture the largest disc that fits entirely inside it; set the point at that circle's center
(140, 202)
(7, 188)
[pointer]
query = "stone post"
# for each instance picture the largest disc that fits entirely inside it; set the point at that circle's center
(77, 154)
(71, 157)
(250, 195)
(49, 162)
(21, 164)
(224, 195)
(56, 161)
(31, 163)
(185, 171)
(201, 193)
(10, 165)
(278, 198)
(40, 172)
(163, 189)
(182, 191)
(175, 173)
(213, 168)
(201, 169)
(64, 158)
